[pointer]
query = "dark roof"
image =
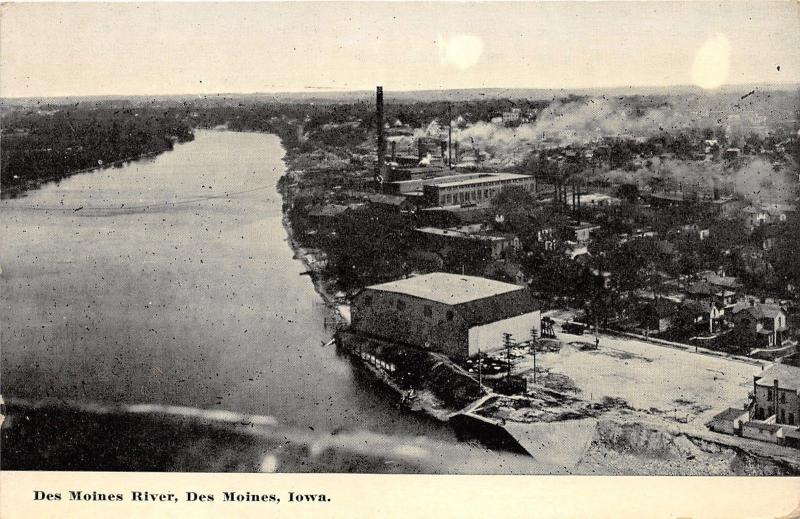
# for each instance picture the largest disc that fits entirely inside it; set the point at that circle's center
(697, 307)
(758, 310)
(328, 210)
(705, 288)
(662, 308)
(721, 281)
(378, 198)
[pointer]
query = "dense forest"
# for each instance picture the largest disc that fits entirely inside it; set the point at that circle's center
(42, 145)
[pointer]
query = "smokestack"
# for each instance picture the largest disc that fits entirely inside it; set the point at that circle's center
(394, 150)
(574, 198)
(449, 136)
(381, 137)
(443, 145)
(775, 399)
(456, 152)
(419, 149)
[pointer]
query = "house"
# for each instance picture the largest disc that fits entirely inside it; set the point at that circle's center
(729, 421)
(776, 393)
(775, 413)
(452, 314)
(720, 280)
(732, 153)
(759, 325)
(705, 292)
(512, 116)
(322, 213)
(583, 231)
(507, 270)
(474, 238)
(659, 315)
(768, 235)
(754, 216)
(392, 203)
(779, 212)
(702, 314)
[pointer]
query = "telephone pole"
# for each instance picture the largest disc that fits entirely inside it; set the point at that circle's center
(480, 374)
(534, 336)
(507, 344)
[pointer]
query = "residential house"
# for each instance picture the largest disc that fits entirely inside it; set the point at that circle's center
(759, 325)
(583, 231)
(729, 421)
(659, 315)
(754, 216)
(703, 291)
(702, 314)
(391, 203)
(720, 280)
(476, 238)
(776, 402)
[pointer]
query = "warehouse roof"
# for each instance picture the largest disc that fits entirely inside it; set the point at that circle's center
(489, 177)
(452, 289)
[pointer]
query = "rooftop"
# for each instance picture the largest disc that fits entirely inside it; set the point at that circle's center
(788, 377)
(730, 414)
(758, 310)
(493, 177)
(451, 289)
(459, 233)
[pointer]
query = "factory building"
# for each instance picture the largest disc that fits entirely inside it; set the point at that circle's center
(448, 313)
(479, 187)
(473, 238)
(461, 189)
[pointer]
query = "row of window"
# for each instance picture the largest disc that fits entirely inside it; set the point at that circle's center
(769, 396)
(782, 416)
(427, 310)
(474, 195)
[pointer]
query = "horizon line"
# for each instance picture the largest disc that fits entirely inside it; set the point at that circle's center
(322, 91)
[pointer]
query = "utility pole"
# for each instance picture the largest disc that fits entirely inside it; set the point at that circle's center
(480, 373)
(507, 344)
(534, 335)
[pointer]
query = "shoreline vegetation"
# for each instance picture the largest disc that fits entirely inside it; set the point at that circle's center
(52, 143)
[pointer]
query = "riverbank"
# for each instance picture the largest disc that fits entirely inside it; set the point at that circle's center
(19, 190)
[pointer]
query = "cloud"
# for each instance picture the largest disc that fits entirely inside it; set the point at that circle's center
(461, 51)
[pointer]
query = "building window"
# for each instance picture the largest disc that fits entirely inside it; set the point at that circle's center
(783, 398)
(367, 300)
(791, 419)
(783, 416)
(449, 315)
(427, 311)
(769, 395)
(401, 305)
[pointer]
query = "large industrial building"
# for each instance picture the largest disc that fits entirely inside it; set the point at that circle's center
(461, 189)
(452, 314)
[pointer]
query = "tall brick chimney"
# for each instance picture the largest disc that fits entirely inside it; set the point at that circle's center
(775, 398)
(381, 165)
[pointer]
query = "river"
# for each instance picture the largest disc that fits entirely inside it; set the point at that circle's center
(170, 280)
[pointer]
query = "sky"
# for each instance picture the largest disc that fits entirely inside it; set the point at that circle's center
(55, 49)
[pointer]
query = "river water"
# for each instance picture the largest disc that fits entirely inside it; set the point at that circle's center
(170, 281)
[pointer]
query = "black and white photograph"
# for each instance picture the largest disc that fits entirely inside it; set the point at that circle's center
(528, 238)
